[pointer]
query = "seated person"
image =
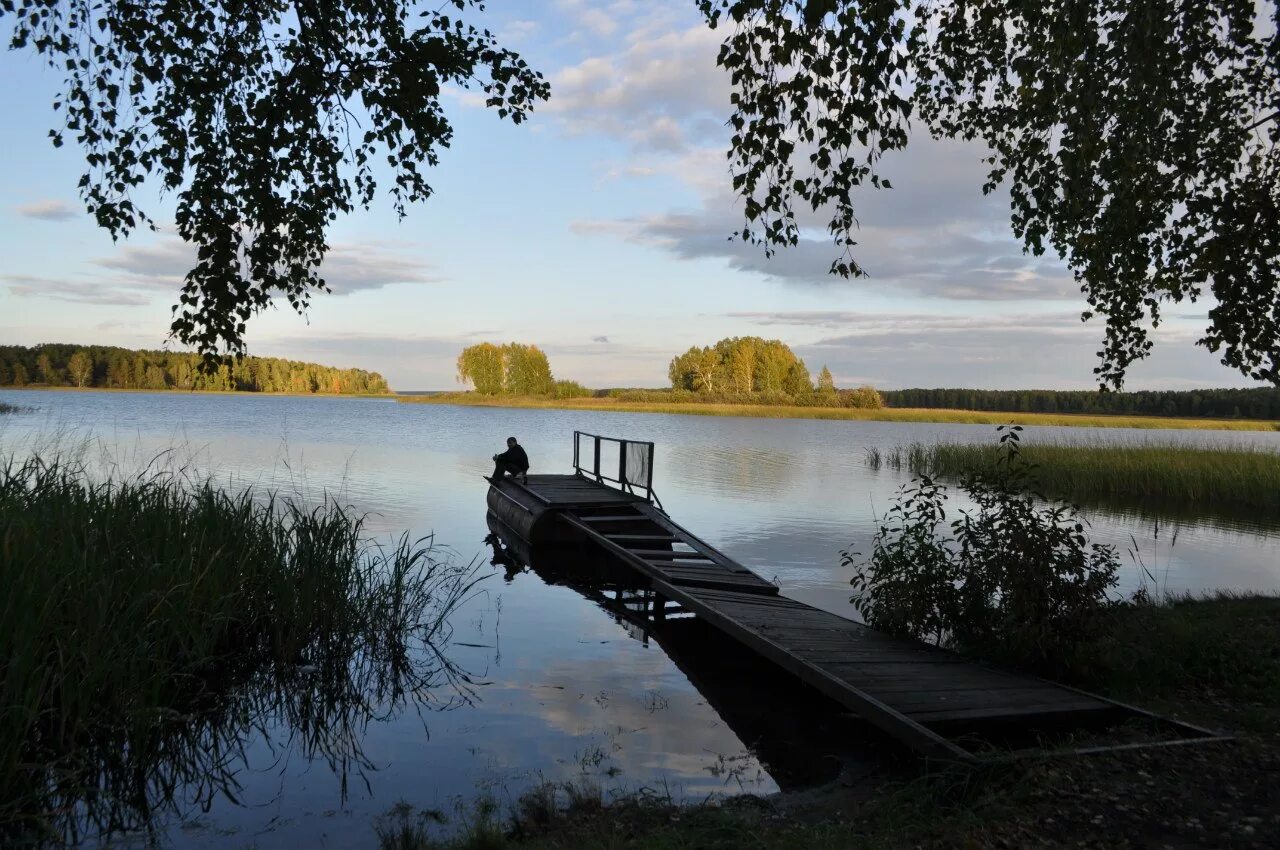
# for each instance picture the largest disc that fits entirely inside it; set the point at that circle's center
(513, 461)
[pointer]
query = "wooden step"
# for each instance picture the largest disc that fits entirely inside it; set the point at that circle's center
(670, 553)
(616, 518)
(657, 538)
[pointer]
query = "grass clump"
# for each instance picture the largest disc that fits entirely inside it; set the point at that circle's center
(1162, 474)
(149, 626)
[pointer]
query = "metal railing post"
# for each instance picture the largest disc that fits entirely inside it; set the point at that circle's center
(597, 463)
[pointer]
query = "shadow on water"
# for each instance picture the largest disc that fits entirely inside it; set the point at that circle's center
(800, 736)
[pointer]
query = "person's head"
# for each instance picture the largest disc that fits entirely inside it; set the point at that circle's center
(511, 441)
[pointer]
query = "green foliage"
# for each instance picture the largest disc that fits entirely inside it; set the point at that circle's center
(826, 383)
(150, 625)
(122, 368)
(1139, 141)
(1222, 647)
(866, 398)
(483, 367)
(570, 389)
(264, 119)
(742, 368)
(511, 369)
(1251, 403)
(528, 372)
(1008, 579)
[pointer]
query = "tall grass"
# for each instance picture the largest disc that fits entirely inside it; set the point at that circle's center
(1240, 478)
(887, 414)
(149, 626)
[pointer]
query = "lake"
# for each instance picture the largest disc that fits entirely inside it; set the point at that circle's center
(566, 689)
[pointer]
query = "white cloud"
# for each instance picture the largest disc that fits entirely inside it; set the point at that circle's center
(658, 92)
(48, 210)
(136, 274)
(995, 351)
(78, 291)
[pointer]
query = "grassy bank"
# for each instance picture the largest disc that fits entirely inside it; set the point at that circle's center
(1214, 661)
(1237, 478)
(887, 414)
(149, 626)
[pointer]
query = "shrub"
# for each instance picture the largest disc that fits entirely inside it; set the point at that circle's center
(864, 397)
(569, 389)
(1012, 579)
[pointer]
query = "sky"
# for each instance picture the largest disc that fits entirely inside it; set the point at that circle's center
(599, 231)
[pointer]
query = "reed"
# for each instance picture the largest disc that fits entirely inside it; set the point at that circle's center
(886, 414)
(149, 626)
(1241, 478)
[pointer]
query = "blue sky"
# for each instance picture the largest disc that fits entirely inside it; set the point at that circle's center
(599, 231)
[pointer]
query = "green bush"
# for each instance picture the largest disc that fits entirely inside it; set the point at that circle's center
(865, 397)
(569, 389)
(1011, 579)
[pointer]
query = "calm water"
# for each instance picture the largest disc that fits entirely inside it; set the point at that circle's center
(569, 689)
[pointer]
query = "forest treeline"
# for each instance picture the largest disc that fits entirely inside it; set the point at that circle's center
(1252, 403)
(98, 366)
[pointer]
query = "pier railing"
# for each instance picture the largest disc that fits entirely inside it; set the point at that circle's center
(625, 464)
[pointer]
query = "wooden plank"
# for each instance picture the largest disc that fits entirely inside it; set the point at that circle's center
(669, 553)
(1000, 713)
(615, 518)
(716, 584)
(1011, 700)
(642, 537)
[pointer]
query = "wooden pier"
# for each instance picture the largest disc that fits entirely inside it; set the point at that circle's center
(924, 696)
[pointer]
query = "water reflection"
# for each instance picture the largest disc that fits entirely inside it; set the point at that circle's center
(248, 713)
(796, 734)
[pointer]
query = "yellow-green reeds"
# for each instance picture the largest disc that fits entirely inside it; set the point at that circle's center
(1243, 478)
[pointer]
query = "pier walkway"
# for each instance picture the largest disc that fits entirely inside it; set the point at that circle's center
(924, 696)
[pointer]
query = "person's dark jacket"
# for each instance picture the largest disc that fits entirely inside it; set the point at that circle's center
(515, 458)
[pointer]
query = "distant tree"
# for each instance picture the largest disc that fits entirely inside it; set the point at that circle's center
(773, 362)
(265, 121)
(19, 375)
(742, 367)
(698, 369)
(80, 368)
(118, 367)
(482, 365)
(1139, 141)
(826, 383)
(44, 366)
(798, 382)
(739, 357)
(528, 372)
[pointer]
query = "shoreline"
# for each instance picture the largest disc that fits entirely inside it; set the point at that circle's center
(176, 391)
(882, 414)
(1210, 660)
